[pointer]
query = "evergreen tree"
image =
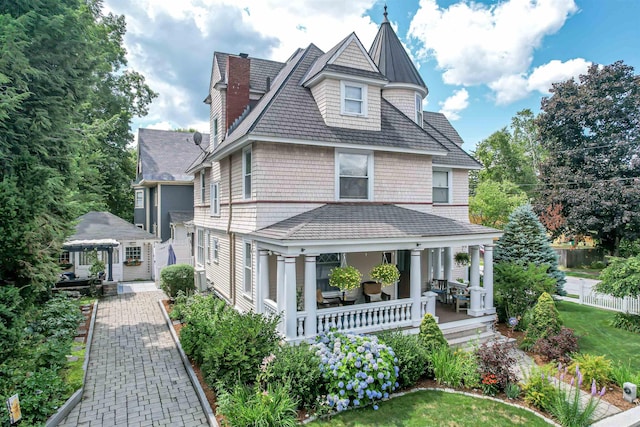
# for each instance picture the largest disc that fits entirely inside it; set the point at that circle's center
(525, 241)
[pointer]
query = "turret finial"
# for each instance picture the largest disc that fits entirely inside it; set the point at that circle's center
(385, 14)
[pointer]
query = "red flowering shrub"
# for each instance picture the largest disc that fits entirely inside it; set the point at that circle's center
(558, 347)
(497, 358)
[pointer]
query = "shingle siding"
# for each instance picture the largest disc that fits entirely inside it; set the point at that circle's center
(403, 99)
(352, 57)
(328, 92)
(410, 182)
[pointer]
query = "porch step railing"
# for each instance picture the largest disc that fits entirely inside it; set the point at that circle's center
(362, 318)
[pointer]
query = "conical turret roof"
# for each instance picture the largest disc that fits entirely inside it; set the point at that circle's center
(392, 60)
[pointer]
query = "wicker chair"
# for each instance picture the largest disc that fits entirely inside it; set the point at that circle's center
(372, 292)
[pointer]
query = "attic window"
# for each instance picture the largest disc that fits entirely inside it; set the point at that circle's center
(353, 99)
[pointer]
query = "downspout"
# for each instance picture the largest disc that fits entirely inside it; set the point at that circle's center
(232, 242)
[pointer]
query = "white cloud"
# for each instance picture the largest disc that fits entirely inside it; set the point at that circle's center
(512, 88)
(165, 125)
(452, 106)
(477, 44)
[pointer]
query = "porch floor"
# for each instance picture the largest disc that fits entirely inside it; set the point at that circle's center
(447, 313)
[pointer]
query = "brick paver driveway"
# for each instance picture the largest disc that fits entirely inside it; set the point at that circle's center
(135, 375)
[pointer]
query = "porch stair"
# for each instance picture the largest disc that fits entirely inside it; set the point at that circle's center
(469, 332)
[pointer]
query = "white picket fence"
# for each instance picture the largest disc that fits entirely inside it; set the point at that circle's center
(588, 296)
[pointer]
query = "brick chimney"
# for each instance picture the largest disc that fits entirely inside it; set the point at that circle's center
(238, 69)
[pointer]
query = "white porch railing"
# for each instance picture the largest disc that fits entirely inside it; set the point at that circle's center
(362, 318)
(270, 307)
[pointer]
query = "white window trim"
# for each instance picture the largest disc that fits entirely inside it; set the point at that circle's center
(215, 198)
(449, 183)
(419, 111)
(141, 204)
(216, 129)
(343, 94)
(199, 243)
(207, 248)
(244, 174)
(336, 162)
(216, 250)
(248, 294)
(202, 187)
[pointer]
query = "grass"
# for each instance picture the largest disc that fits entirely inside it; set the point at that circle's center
(597, 336)
(435, 408)
(73, 372)
(584, 273)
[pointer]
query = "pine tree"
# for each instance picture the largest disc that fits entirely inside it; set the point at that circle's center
(525, 241)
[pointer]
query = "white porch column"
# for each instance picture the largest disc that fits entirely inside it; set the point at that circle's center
(414, 289)
(310, 306)
(487, 280)
(290, 306)
(428, 255)
(475, 291)
(448, 263)
(437, 263)
(280, 290)
(263, 279)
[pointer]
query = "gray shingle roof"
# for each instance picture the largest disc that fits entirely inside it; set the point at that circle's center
(180, 217)
(438, 126)
(367, 221)
(259, 71)
(392, 60)
(272, 116)
(104, 225)
(166, 155)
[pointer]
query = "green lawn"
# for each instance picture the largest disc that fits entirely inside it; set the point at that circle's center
(597, 336)
(435, 408)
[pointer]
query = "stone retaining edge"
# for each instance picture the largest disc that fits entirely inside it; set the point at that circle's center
(208, 412)
(71, 402)
(628, 418)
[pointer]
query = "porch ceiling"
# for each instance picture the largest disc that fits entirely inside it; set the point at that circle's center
(369, 221)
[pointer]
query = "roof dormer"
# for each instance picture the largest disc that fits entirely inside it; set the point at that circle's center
(346, 84)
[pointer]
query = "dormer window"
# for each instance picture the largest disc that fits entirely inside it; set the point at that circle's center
(353, 98)
(418, 118)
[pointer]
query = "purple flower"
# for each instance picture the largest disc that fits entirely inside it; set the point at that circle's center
(375, 407)
(513, 322)
(602, 391)
(593, 387)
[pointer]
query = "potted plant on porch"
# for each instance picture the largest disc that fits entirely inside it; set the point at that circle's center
(345, 278)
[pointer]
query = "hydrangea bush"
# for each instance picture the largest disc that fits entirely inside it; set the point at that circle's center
(359, 370)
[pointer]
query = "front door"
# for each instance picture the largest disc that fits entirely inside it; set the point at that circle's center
(404, 265)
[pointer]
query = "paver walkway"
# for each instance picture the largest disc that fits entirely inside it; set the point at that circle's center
(135, 374)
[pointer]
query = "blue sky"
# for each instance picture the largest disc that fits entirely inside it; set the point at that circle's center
(483, 61)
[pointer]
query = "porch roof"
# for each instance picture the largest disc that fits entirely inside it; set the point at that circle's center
(367, 221)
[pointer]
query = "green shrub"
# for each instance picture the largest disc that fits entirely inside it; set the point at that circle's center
(201, 314)
(12, 320)
(177, 277)
(517, 288)
(538, 390)
(298, 369)
(58, 319)
(454, 368)
(598, 265)
(512, 390)
(621, 373)
(545, 321)
(430, 335)
(237, 347)
(413, 358)
(359, 370)
(180, 306)
(245, 406)
(627, 322)
(593, 368)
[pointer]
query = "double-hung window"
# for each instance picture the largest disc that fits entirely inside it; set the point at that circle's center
(215, 199)
(208, 243)
(246, 173)
(353, 98)
(216, 249)
(200, 251)
(354, 172)
(215, 132)
(248, 280)
(441, 186)
(202, 187)
(139, 199)
(419, 109)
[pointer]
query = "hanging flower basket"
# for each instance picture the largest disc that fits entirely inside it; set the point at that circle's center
(132, 262)
(387, 274)
(345, 278)
(461, 259)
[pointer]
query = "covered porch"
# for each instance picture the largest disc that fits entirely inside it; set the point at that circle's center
(292, 268)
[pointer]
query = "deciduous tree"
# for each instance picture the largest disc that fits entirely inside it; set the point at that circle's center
(591, 128)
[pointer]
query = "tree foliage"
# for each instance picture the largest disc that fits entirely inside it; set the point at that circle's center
(592, 127)
(525, 241)
(621, 277)
(65, 107)
(494, 201)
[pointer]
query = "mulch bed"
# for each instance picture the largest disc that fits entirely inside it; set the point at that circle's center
(83, 327)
